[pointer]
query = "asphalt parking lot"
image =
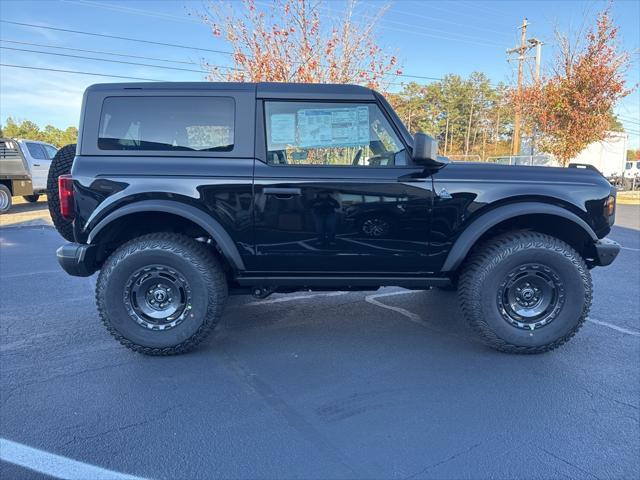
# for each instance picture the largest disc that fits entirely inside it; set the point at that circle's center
(386, 384)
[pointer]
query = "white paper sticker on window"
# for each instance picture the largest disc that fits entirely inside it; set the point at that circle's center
(283, 128)
(333, 127)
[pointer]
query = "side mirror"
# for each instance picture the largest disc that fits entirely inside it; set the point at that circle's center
(425, 151)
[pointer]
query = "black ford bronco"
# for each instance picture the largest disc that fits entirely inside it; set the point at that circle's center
(183, 193)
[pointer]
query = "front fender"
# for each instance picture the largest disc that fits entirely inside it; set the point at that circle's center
(483, 223)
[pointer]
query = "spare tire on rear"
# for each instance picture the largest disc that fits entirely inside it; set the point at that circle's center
(60, 165)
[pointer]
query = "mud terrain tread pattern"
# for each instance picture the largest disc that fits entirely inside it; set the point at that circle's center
(190, 250)
(487, 257)
(60, 165)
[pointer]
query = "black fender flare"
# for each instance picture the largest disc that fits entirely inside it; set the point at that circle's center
(480, 225)
(197, 216)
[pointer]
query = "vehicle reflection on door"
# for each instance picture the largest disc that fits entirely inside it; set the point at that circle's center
(325, 208)
(347, 226)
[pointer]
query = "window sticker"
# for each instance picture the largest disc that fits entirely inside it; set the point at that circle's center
(333, 127)
(283, 128)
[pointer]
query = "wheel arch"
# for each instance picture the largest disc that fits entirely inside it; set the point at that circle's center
(185, 215)
(537, 216)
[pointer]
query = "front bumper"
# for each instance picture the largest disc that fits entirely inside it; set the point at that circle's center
(77, 259)
(606, 252)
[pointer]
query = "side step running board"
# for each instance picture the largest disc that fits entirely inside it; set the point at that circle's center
(294, 281)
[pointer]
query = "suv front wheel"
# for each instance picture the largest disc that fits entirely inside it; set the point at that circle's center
(161, 294)
(525, 292)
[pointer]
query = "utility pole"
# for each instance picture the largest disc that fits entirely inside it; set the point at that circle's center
(521, 51)
(534, 42)
(538, 44)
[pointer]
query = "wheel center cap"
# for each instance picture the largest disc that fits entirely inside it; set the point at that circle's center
(160, 295)
(527, 293)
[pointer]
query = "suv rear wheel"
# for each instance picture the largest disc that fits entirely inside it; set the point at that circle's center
(525, 292)
(161, 294)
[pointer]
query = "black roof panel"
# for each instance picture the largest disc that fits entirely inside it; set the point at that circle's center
(262, 89)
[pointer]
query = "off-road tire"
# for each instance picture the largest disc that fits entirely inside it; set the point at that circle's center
(32, 198)
(199, 266)
(5, 204)
(485, 271)
(60, 165)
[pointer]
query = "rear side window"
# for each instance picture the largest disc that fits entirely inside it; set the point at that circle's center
(200, 124)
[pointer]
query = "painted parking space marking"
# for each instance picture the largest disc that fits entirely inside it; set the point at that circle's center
(28, 274)
(626, 331)
(372, 299)
(414, 317)
(292, 298)
(55, 465)
(417, 319)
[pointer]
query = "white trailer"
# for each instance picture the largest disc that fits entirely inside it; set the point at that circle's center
(608, 156)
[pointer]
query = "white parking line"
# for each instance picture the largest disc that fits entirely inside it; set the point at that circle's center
(55, 465)
(28, 274)
(630, 248)
(297, 297)
(410, 315)
(416, 318)
(626, 331)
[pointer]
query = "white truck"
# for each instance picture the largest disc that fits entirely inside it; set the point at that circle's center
(24, 165)
(607, 156)
(631, 175)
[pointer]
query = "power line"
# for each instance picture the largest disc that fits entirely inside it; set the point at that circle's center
(628, 120)
(116, 37)
(144, 64)
(437, 19)
(422, 77)
(413, 29)
(134, 11)
(484, 9)
(100, 52)
(456, 11)
(78, 72)
(461, 38)
(58, 54)
(101, 74)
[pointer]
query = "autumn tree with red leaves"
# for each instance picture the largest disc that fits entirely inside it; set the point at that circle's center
(288, 42)
(573, 106)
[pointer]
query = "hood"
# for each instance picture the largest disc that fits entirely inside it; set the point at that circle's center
(491, 172)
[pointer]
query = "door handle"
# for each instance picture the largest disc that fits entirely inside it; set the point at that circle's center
(282, 192)
(36, 164)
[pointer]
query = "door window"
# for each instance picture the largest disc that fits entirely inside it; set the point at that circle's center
(36, 151)
(331, 134)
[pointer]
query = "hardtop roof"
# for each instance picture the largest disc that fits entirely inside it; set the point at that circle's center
(262, 89)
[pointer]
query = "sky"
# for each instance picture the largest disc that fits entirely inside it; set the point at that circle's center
(430, 38)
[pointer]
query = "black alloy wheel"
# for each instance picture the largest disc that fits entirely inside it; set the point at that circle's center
(157, 297)
(531, 296)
